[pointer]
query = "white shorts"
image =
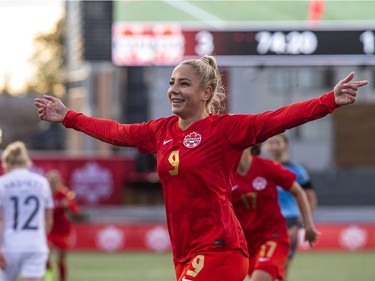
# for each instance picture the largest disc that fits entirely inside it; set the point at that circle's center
(25, 264)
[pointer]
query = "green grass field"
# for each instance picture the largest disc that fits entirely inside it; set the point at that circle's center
(135, 266)
(199, 12)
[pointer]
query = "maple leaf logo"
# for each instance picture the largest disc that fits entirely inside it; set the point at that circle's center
(192, 140)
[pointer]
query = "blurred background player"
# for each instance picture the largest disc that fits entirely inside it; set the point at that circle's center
(278, 150)
(316, 11)
(65, 208)
(255, 200)
(25, 217)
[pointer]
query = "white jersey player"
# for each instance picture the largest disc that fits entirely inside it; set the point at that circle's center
(25, 217)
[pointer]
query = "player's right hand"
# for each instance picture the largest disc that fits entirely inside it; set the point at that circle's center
(51, 109)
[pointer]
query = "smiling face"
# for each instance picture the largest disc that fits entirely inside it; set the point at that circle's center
(186, 94)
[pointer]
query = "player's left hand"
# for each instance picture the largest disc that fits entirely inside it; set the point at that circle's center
(311, 235)
(346, 90)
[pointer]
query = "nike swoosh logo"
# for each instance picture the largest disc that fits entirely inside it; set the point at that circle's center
(234, 187)
(184, 279)
(167, 141)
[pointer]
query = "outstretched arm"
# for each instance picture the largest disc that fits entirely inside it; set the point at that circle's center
(136, 135)
(346, 90)
(271, 123)
(53, 110)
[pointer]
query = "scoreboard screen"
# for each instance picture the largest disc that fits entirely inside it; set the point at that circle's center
(276, 42)
(168, 44)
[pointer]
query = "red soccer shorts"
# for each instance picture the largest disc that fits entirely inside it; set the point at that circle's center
(271, 258)
(59, 241)
(230, 265)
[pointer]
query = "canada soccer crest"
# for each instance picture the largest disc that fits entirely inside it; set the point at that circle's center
(192, 140)
(259, 183)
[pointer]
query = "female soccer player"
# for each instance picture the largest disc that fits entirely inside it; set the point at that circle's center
(278, 150)
(65, 206)
(25, 217)
(254, 197)
(197, 154)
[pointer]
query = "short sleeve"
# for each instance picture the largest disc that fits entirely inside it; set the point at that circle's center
(283, 177)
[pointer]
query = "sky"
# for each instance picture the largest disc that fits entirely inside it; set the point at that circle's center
(20, 21)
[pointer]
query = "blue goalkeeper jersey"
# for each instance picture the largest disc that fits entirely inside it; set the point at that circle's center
(288, 205)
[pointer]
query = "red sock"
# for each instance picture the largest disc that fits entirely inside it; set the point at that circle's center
(62, 271)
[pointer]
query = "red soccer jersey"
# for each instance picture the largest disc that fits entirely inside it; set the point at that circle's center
(196, 166)
(254, 198)
(64, 201)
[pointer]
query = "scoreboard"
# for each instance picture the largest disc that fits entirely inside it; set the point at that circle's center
(284, 46)
(279, 42)
(168, 44)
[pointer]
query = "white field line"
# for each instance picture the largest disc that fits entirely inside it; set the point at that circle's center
(197, 13)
